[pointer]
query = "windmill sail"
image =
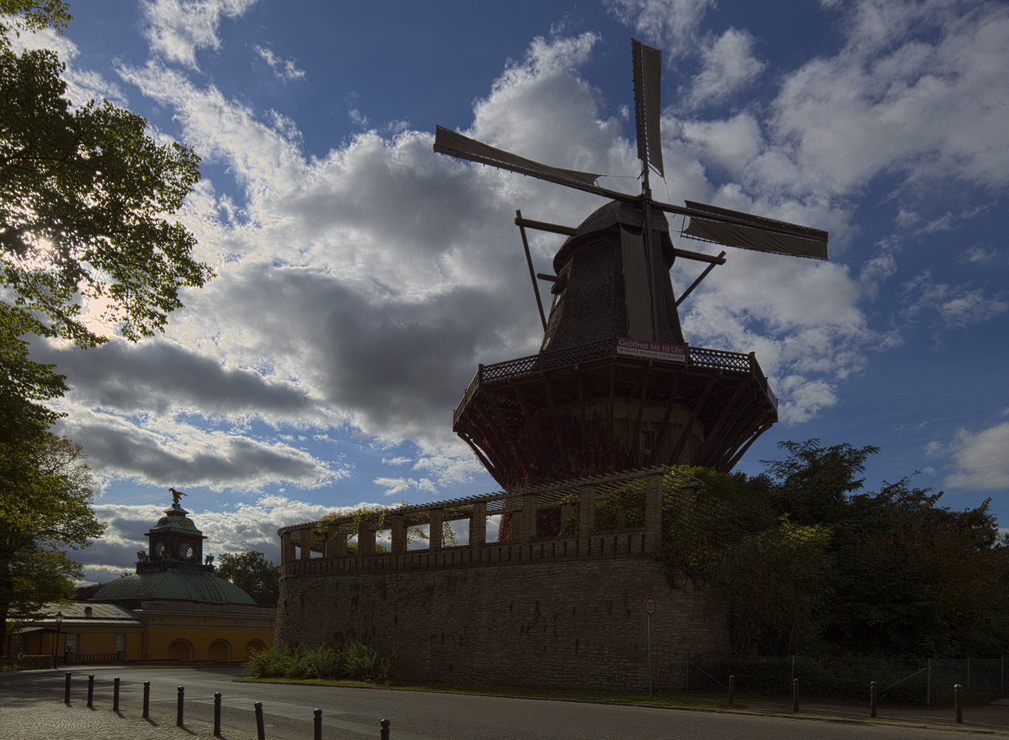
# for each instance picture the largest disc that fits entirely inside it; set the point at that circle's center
(647, 103)
(457, 145)
(746, 231)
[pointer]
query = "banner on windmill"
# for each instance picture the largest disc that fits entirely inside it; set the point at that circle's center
(652, 350)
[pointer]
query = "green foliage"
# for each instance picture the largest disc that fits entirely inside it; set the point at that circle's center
(45, 509)
(30, 663)
(252, 573)
(807, 562)
(354, 661)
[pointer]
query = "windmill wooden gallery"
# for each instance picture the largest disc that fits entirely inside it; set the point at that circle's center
(580, 437)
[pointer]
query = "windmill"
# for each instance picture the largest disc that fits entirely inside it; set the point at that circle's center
(615, 386)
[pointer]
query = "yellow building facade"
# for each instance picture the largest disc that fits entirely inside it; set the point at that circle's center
(172, 609)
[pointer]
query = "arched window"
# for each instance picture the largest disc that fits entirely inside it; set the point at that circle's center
(253, 646)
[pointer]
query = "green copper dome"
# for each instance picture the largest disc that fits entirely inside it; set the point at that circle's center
(173, 585)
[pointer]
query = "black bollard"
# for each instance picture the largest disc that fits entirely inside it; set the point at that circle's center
(178, 713)
(147, 699)
(385, 730)
(318, 724)
(66, 692)
(958, 700)
(795, 695)
(260, 728)
(872, 699)
(91, 691)
(732, 690)
(115, 694)
(217, 714)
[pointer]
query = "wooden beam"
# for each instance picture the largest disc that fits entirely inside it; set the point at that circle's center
(710, 437)
(532, 270)
(544, 226)
(659, 438)
(636, 436)
(684, 435)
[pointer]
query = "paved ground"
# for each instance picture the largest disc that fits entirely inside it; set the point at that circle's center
(31, 708)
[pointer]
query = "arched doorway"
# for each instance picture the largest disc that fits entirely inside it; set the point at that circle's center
(219, 651)
(253, 646)
(180, 650)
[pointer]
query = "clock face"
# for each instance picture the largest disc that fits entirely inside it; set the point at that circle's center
(159, 549)
(186, 550)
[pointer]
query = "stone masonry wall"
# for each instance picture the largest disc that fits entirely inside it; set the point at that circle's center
(578, 624)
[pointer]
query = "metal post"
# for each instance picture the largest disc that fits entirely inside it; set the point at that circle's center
(66, 692)
(968, 674)
(115, 694)
(958, 700)
(385, 730)
(928, 685)
(732, 690)
(872, 699)
(217, 714)
(650, 656)
(178, 713)
(260, 728)
(686, 682)
(1001, 674)
(318, 724)
(147, 699)
(795, 695)
(91, 691)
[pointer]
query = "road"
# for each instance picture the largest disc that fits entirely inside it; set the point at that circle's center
(351, 714)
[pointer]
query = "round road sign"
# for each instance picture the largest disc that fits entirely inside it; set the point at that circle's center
(650, 606)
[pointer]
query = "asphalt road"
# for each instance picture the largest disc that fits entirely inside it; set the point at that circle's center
(351, 714)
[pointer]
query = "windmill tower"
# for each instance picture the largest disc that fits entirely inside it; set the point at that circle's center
(615, 386)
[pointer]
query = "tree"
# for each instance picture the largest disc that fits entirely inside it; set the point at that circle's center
(86, 199)
(252, 573)
(84, 195)
(45, 509)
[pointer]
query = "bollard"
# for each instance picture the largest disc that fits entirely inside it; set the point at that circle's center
(318, 724)
(958, 700)
(872, 699)
(795, 695)
(217, 714)
(260, 728)
(147, 699)
(66, 692)
(91, 691)
(732, 689)
(178, 713)
(385, 730)
(115, 694)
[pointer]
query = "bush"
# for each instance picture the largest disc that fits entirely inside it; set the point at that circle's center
(354, 661)
(30, 663)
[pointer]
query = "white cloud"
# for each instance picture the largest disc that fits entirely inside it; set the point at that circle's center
(399, 486)
(667, 24)
(728, 65)
(949, 306)
(177, 29)
(284, 69)
(981, 459)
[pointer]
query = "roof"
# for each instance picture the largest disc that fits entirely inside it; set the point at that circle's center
(175, 520)
(76, 613)
(172, 585)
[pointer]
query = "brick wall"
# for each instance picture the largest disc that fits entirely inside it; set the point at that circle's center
(571, 623)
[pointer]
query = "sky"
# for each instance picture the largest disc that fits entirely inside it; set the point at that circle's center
(361, 278)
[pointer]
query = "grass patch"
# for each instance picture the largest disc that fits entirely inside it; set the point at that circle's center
(659, 698)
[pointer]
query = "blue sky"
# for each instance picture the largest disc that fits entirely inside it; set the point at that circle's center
(362, 278)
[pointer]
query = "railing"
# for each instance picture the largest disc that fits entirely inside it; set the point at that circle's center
(623, 543)
(700, 357)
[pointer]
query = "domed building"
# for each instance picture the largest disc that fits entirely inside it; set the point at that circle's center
(187, 612)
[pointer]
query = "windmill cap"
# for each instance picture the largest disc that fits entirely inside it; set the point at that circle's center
(613, 214)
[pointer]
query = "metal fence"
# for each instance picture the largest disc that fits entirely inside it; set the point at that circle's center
(911, 682)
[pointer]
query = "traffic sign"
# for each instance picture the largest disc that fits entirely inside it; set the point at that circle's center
(650, 606)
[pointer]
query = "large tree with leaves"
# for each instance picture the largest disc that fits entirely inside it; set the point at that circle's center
(87, 240)
(44, 512)
(252, 573)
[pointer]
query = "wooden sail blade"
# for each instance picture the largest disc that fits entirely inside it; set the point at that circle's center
(745, 231)
(647, 103)
(456, 145)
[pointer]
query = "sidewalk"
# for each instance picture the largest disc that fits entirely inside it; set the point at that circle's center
(982, 718)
